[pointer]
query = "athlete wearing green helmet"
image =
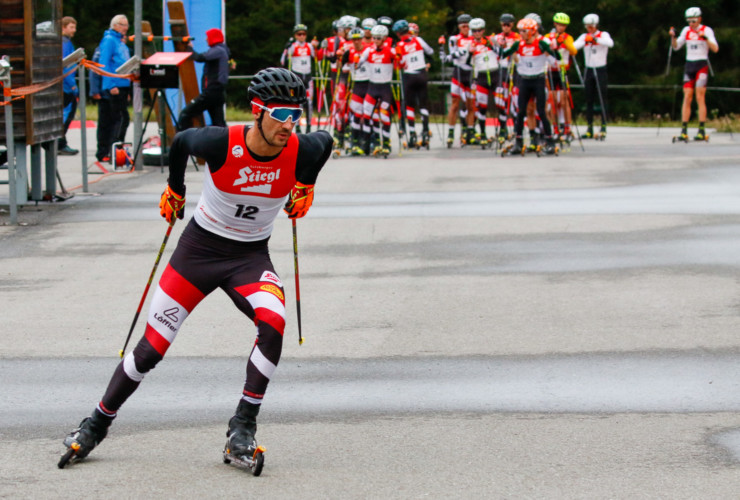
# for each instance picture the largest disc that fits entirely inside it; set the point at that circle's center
(561, 18)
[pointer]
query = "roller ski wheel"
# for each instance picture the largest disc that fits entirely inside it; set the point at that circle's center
(450, 140)
(680, 138)
(70, 456)
(253, 463)
(336, 153)
(82, 440)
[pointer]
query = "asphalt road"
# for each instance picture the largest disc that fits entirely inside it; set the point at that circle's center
(476, 327)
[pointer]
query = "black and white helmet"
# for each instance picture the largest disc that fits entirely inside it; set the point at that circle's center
(277, 85)
(385, 21)
(463, 19)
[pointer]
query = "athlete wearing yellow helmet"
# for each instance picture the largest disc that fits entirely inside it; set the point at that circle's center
(563, 43)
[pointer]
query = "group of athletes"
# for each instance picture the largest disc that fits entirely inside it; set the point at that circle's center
(350, 79)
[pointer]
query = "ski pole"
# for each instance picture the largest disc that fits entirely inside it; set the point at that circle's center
(572, 107)
(670, 52)
(149, 283)
(297, 281)
(601, 98)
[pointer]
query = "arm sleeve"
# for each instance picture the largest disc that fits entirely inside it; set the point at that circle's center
(545, 46)
(511, 50)
(424, 45)
(709, 35)
(313, 151)
(681, 40)
(209, 143)
(569, 46)
(605, 39)
(580, 42)
(106, 58)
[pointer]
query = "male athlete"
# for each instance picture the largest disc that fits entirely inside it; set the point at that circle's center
(252, 173)
(699, 40)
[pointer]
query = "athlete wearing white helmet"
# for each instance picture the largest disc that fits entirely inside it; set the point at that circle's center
(595, 45)
(477, 24)
(591, 20)
(536, 18)
(692, 12)
(699, 40)
(379, 30)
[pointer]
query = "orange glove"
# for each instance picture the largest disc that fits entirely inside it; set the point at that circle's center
(172, 204)
(441, 40)
(299, 201)
(589, 39)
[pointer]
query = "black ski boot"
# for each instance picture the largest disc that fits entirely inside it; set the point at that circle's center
(425, 136)
(242, 428)
(82, 440)
(413, 142)
(450, 137)
(550, 147)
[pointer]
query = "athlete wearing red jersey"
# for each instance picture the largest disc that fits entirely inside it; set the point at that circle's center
(459, 55)
(699, 40)
(299, 56)
(380, 60)
(252, 173)
(485, 74)
(532, 52)
(562, 42)
(360, 74)
(503, 98)
(413, 52)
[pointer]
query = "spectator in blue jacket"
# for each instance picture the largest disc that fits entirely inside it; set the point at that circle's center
(213, 83)
(70, 92)
(113, 118)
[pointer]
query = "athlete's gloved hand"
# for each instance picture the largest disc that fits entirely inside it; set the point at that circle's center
(441, 40)
(299, 201)
(589, 39)
(172, 205)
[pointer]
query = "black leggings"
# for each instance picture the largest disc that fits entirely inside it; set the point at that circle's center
(591, 78)
(528, 88)
(201, 263)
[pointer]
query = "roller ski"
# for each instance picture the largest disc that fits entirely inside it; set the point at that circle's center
(413, 141)
(425, 139)
(589, 133)
(551, 148)
(701, 136)
(512, 148)
(467, 137)
(383, 150)
(82, 440)
(601, 135)
(241, 449)
(682, 137)
(450, 138)
(534, 146)
(338, 145)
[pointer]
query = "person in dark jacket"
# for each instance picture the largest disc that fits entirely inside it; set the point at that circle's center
(213, 84)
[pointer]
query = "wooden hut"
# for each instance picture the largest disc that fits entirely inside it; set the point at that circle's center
(31, 35)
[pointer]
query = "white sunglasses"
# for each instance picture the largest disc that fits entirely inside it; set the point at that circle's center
(282, 114)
